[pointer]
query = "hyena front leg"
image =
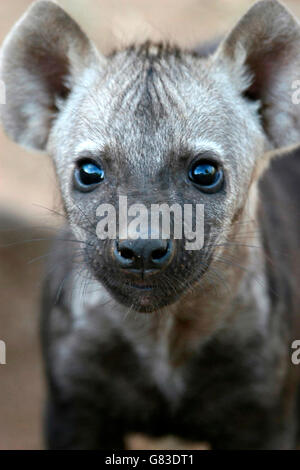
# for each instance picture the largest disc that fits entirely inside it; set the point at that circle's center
(80, 426)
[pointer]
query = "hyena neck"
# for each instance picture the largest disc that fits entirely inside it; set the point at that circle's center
(239, 295)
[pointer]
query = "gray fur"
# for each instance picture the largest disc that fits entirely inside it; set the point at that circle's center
(210, 361)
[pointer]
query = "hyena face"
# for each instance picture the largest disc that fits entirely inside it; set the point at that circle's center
(157, 125)
(148, 121)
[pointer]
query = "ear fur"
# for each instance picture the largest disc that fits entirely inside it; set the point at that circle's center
(40, 60)
(262, 54)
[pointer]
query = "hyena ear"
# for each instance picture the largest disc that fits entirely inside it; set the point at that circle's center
(262, 54)
(41, 59)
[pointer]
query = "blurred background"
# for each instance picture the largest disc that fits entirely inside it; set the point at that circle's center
(28, 194)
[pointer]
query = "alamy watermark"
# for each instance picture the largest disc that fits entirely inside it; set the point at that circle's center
(296, 354)
(2, 353)
(137, 221)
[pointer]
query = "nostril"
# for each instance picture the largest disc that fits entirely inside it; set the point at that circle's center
(126, 253)
(159, 253)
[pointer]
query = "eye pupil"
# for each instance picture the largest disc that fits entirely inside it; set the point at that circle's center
(88, 174)
(91, 174)
(204, 174)
(207, 175)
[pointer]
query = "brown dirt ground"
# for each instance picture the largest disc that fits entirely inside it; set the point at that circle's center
(27, 182)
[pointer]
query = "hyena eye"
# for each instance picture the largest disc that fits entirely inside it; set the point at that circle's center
(207, 175)
(88, 175)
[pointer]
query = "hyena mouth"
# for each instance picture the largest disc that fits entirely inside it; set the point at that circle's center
(141, 296)
(142, 287)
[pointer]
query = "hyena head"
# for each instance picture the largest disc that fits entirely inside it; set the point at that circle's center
(157, 125)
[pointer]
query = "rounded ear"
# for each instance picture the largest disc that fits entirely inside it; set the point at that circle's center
(41, 59)
(262, 55)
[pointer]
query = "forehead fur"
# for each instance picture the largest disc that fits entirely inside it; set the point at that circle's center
(155, 99)
(153, 75)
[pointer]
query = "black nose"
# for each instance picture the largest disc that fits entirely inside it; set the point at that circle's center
(143, 255)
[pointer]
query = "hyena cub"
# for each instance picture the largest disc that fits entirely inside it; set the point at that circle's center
(139, 333)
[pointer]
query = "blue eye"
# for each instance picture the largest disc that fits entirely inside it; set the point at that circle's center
(207, 175)
(88, 175)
